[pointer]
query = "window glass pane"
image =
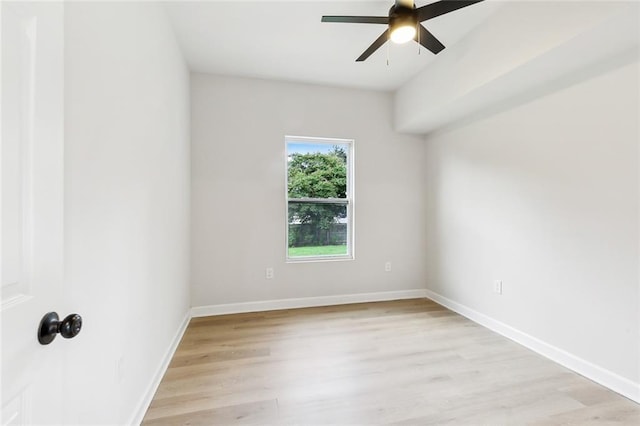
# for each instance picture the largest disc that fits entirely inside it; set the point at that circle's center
(319, 198)
(317, 170)
(317, 229)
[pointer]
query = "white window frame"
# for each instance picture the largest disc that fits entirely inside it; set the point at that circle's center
(349, 200)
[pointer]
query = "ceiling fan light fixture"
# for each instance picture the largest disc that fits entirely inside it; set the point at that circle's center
(402, 34)
(403, 23)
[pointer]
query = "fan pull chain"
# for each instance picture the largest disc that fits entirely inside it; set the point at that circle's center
(419, 44)
(388, 53)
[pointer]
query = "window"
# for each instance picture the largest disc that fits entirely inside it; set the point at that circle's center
(319, 198)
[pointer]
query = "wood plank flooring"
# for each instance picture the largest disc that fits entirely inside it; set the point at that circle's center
(409, 362)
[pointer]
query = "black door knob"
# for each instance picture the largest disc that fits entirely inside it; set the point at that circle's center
(50, 325)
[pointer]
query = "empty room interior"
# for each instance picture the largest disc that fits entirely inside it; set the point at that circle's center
(320, 212)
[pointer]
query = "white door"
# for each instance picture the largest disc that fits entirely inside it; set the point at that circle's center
(31, 216)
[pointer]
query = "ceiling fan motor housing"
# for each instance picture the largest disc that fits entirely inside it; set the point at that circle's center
(402, 16)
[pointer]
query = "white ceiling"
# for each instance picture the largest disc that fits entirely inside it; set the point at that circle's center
(285, 40)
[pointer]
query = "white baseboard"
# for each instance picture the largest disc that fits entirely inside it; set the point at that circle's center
(147, 396)
(305, 302)
(600, 375)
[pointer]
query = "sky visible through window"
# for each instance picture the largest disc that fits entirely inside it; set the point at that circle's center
(306, 148)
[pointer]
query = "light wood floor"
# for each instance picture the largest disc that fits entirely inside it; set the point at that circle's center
(402, 362)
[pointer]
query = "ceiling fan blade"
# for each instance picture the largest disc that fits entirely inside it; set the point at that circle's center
(440, 8)
(357, 19)
(374, 46)
(428, 40)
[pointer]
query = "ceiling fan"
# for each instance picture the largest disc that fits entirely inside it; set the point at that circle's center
(404, 23)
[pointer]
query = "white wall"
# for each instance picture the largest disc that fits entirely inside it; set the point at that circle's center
(544, 197)
(238, 191)
(127, 203)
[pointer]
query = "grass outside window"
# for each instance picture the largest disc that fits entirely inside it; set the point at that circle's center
(337, 250)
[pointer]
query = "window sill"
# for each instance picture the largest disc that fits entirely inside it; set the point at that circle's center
(317, 259)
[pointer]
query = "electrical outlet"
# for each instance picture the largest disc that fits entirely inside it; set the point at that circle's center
(497, 286)
(268, 274)
(387, 266)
